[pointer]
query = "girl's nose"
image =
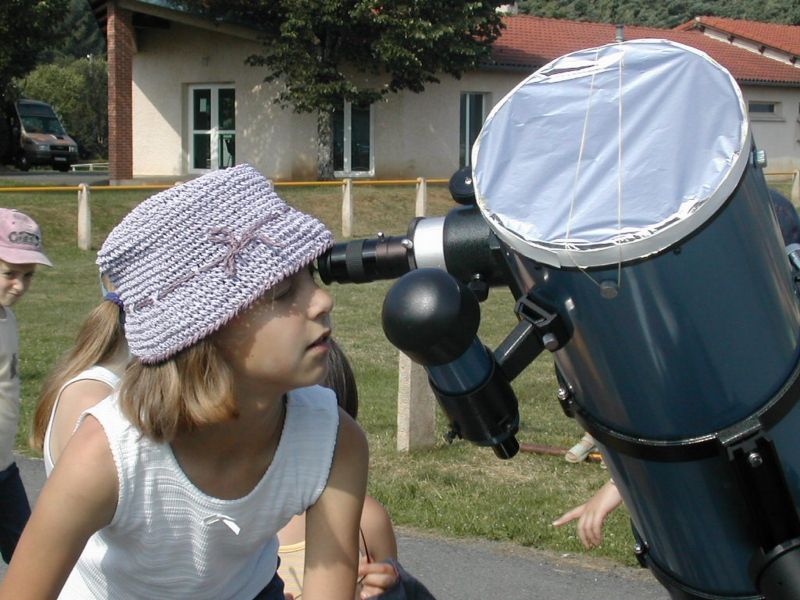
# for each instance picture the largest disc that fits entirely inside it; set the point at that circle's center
(321, 302)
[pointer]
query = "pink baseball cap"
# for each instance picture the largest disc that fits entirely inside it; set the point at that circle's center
(20, 239)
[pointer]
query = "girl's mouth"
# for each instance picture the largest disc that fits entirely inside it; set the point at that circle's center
(321, 340)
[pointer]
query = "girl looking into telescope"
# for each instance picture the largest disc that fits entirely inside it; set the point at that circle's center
(90, 371)
(218, 434)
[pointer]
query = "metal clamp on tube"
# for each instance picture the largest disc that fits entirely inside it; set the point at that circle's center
(549, 326)
(434, 318)
(774, 519)
(793, 254)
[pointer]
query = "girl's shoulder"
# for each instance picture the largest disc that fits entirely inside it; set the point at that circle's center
(85, 389)
(312, 407)
(378, 532)
(77, 395)
(312, 419)
(96, 373)
(307, 445)
(108, 413)
(313, 398)
(87, 471)
(129, 446)
(374, 513)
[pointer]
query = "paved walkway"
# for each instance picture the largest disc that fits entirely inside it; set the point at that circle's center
(481, 570)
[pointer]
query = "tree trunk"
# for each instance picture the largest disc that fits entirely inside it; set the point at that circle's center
(324, 145)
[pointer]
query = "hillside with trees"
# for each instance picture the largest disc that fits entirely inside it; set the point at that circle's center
(668, 13)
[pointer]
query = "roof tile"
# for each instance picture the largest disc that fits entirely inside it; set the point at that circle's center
(530, 42)
(775, 35)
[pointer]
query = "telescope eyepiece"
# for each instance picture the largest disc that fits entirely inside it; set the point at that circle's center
(363, 261)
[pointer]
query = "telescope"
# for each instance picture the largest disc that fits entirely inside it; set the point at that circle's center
(620, 196)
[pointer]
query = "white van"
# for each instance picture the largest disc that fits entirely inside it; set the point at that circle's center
(42, 139)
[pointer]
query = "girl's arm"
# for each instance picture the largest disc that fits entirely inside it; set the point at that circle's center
(332, 522)
(378, 531)
(377, 576)
(79, 498)
(76, 398)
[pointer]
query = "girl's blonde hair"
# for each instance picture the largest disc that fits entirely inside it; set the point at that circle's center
(191, 389)
(98, 339)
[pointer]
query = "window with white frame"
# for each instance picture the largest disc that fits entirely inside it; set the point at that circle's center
(763, 110)
(212, 125)
(353, 154)
(472, 114)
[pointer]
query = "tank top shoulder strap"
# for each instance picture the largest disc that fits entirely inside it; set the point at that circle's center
(308, 440)
(123, 441)
(94, 373)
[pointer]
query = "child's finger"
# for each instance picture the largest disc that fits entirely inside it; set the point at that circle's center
(591, 530)
(569, 516)
(376, 578)
(379, 570)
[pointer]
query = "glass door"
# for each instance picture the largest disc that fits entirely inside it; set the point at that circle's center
(212, 113)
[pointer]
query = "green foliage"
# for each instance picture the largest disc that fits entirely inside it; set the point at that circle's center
(669, 13)
(80, 35)
(77, 90)
(322, 49)
(27, 28)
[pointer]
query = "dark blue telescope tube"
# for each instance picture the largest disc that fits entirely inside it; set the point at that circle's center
(464, 374)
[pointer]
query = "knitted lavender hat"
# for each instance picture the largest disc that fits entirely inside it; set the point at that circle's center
(190, 258)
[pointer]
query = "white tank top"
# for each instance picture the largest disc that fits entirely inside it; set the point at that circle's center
(170, 540)
(95, 373)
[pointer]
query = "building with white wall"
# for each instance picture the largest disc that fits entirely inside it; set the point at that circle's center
(183, 101)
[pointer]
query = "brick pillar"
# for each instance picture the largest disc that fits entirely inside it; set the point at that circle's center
(119, 29)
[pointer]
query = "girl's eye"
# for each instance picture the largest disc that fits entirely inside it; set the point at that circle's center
(282, 290)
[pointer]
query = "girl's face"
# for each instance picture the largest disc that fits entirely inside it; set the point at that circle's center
(281, 342)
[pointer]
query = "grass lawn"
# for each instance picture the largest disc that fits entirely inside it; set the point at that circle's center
(458, 489)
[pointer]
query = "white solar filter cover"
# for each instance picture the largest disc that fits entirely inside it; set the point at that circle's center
(611, 154)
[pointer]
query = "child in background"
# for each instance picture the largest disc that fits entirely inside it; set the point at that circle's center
(380, 575)
(377, 541)
(85, 375)
(20, 252)
(581, 451)
(177, 484)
